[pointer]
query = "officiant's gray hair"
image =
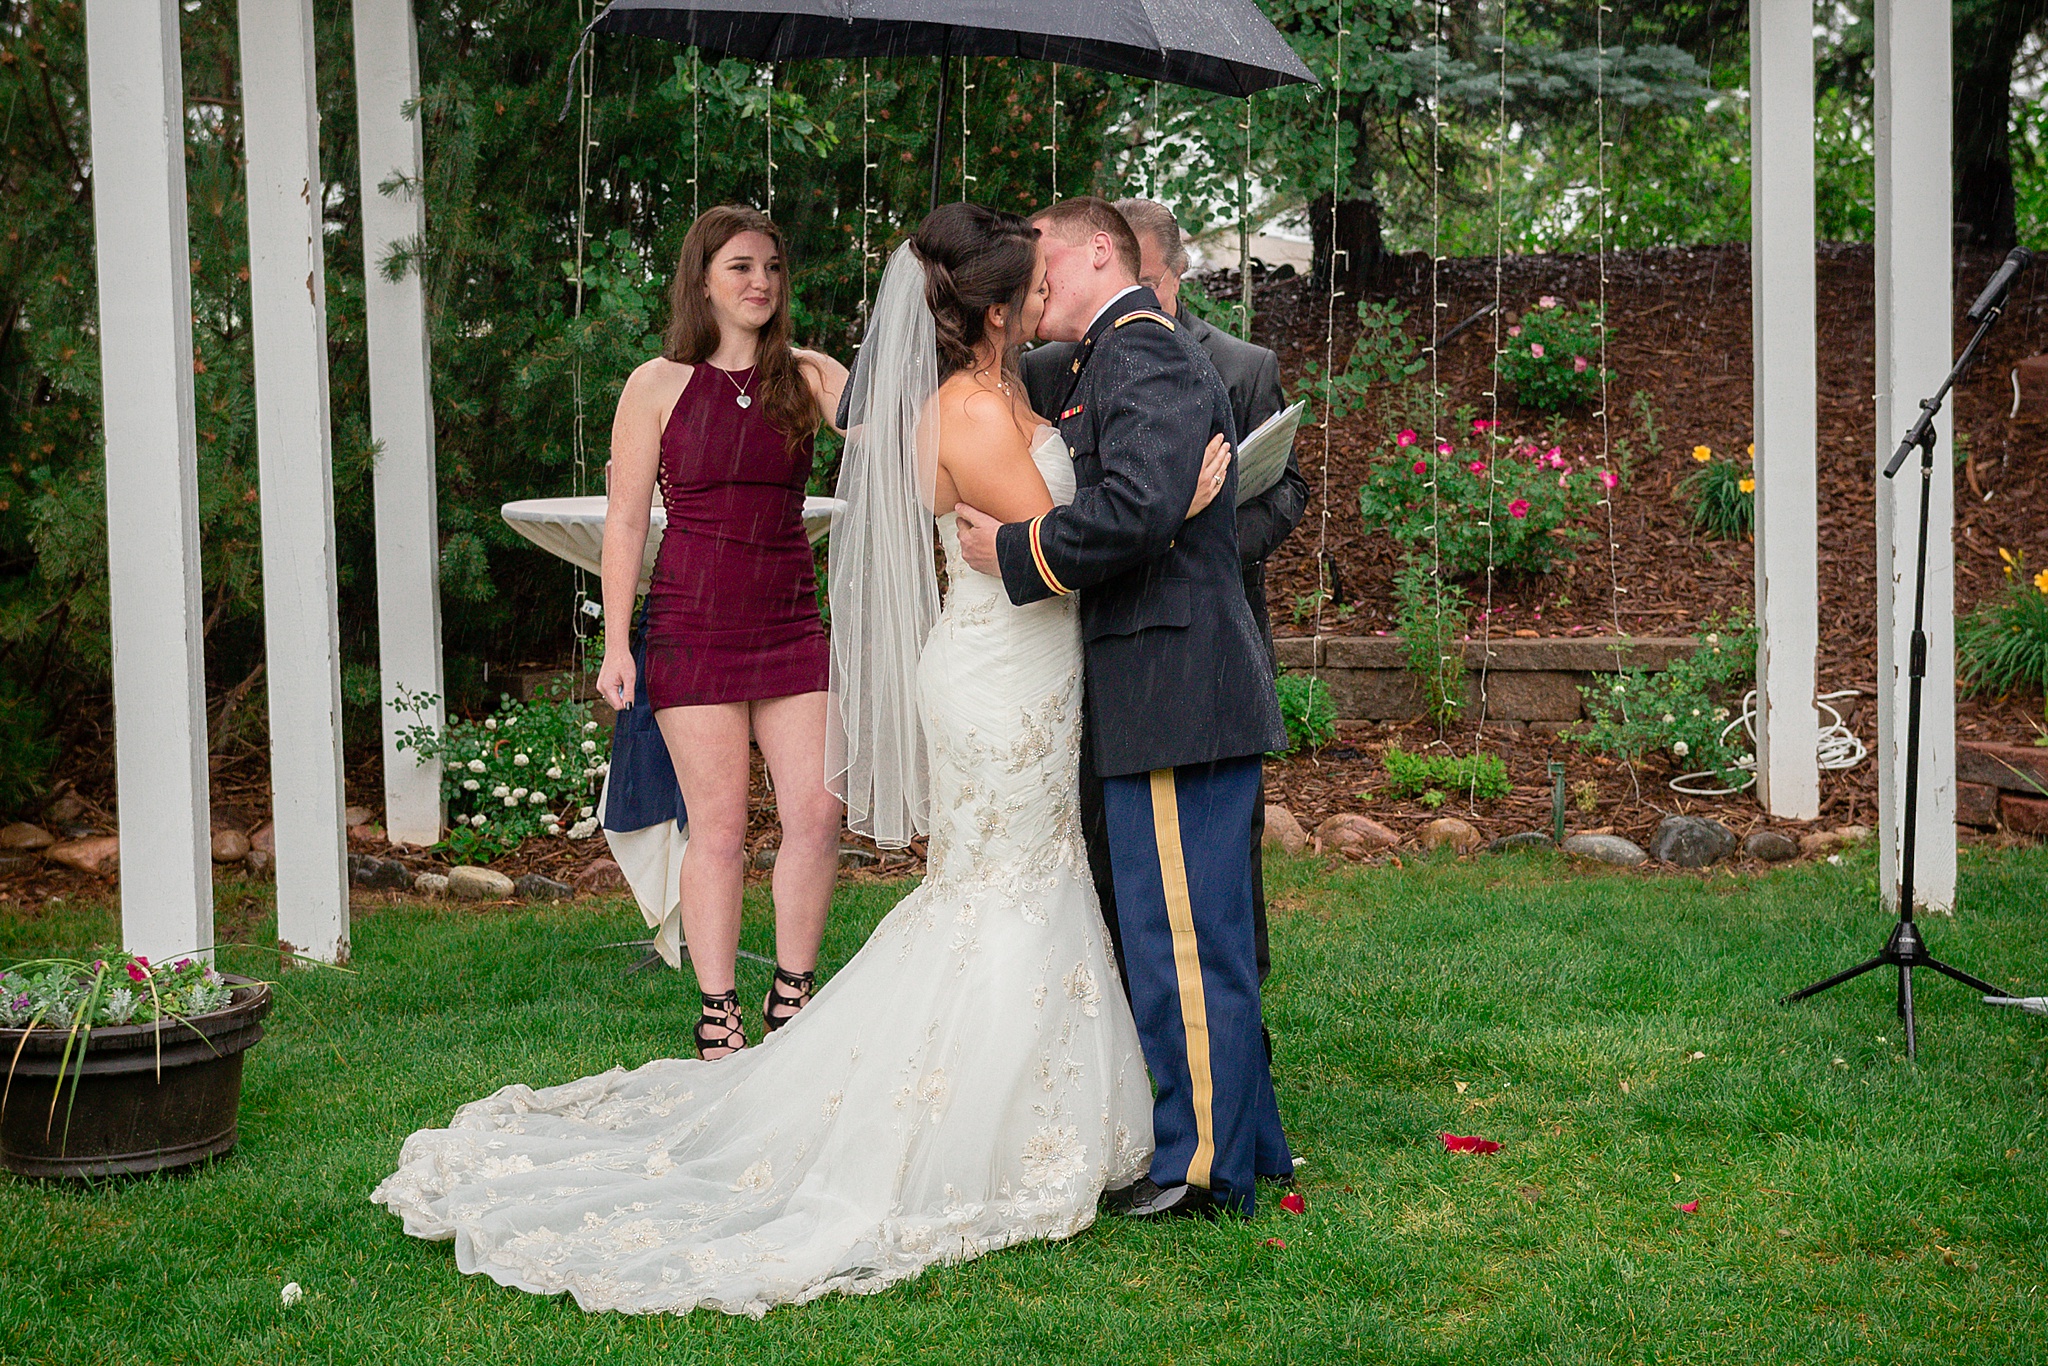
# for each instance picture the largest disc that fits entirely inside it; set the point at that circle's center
(1150, 218)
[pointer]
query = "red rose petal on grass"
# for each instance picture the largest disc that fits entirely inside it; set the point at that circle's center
(1293, 1203)
(1280, 1243)
(1454, 1143)
(1689, 1207)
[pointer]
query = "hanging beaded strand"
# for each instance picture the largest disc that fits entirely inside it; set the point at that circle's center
(965, 179)
(1244, 231)
(696, 137)
(1329, 336)
(1057, 106)
(1493, 444)
(867, 209)
(581, 600)
(769, 122)
(1437, 304)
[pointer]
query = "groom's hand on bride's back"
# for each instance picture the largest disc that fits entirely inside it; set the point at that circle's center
(977, 532)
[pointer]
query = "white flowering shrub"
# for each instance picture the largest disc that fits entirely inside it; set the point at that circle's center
(1683, 713)
(528, 770)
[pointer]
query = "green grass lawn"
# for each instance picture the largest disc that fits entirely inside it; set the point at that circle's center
(1852, 1207)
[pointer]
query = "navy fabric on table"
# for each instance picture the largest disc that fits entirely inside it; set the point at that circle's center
(643, 789)
(1178, 844)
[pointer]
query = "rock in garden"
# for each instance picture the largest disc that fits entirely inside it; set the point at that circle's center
(357, 815)
(97, 854)
(260, 861)
(1283, 832)
(1772, 846)
(1349, 833)
(230, 846)
(431, 884)
(264, 837)
(65, 809)
(26, 837)
(1449, 830)
(1692, 841)
(1828, 841)
(1521, 839)
(379, 874)
(764, 857)
(535, 887)
(478, 884)
(853, 856)
(601, 875)
(1605, 849)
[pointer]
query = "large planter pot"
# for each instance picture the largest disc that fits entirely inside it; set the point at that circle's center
(150, 1097)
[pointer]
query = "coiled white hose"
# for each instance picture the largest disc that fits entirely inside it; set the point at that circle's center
(1838, 748)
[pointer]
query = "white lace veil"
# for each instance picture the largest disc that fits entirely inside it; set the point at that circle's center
(884, 588)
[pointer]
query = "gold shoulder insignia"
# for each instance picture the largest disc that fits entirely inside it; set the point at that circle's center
(1149, 316)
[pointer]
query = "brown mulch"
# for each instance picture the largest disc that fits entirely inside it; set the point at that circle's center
(1680, 334)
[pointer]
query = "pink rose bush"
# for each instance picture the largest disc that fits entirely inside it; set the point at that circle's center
(1555, 367)
(1514, 504)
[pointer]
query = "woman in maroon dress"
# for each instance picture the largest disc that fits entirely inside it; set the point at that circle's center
(723, 421)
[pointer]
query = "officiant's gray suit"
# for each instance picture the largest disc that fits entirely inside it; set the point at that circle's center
(1252, 375)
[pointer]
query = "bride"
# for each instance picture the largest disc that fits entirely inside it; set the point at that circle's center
(972, 1077)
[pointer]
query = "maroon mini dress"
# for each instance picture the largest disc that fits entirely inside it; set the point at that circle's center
(732, 610)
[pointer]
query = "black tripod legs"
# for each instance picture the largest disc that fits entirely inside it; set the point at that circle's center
(1846, 974)
(1905, 950)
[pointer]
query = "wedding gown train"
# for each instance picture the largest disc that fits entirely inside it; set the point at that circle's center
(970, 1079)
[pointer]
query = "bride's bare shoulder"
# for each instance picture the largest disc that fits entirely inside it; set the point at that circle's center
(973, 418)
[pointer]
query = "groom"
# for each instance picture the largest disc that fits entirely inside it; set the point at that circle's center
(1180, 702)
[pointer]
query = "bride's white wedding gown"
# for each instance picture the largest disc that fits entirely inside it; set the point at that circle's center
(970, 1079)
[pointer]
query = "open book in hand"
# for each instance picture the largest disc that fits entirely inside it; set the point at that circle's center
(1262, 456)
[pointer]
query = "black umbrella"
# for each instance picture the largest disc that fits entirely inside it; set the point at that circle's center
(1225, 46)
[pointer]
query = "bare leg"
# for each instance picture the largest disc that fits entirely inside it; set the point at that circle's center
(709, 747)
(791, 733)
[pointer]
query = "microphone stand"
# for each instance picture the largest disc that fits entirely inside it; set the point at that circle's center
(1905, 949)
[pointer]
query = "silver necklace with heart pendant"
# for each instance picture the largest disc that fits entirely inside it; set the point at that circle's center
(744, 399)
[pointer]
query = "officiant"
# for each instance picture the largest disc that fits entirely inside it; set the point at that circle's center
(1252, 374)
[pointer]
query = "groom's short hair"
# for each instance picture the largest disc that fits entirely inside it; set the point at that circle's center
(1083, 216)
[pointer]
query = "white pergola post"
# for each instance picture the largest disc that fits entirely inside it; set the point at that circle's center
(288, 291)
(138, 193)
(1914, 351)
(1783, 343)
(401, 410)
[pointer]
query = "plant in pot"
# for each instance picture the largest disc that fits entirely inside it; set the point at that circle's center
(117, 1066)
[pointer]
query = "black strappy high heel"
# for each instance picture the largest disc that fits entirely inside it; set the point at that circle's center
(720, 1031)
(779, 1008)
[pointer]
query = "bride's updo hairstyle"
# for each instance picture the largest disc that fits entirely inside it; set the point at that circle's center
(975, 259)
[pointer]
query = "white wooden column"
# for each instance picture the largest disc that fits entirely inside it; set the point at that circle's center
(137, 96)
(1914, 351)
(401, 409)
(1781, 274)
(287, 285)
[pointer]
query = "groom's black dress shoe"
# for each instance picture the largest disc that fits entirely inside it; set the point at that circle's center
(1174, 1202)
(1124, 1198)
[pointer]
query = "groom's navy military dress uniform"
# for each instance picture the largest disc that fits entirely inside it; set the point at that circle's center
(1180, 711)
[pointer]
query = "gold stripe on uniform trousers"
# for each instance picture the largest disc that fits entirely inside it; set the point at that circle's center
(1187, 967)
(1038, 558)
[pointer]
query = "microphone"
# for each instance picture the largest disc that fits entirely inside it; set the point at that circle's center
(1994, 293)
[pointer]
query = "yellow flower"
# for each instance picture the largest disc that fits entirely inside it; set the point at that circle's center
(2041, 581)
(1752, 450)
(1748, 485)
(2005, 555)
(1702, 454)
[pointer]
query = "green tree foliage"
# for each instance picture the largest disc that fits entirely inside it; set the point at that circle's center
(499, 263)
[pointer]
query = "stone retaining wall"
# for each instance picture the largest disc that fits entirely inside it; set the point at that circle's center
(1525, 680)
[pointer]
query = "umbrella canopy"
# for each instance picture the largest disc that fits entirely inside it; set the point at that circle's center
(1225, 46)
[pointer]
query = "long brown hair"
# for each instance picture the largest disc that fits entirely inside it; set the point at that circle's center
(788, 402)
